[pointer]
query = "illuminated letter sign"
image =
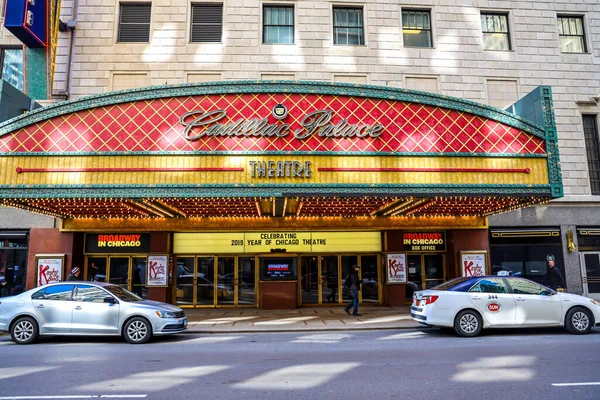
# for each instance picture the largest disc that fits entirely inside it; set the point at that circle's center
(200, 124)
(117, 243)
(424, 241)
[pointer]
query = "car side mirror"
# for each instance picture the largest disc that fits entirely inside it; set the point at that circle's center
(110, 300)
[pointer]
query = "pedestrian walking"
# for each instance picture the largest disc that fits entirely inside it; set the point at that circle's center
(74, 274)
(353, 282)
(554, 277)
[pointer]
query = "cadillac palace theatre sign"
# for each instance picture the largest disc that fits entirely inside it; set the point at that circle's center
(201, 124)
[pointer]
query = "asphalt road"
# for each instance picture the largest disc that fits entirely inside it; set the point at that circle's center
(373, 365)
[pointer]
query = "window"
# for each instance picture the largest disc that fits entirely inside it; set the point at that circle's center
(592, 146)
(56, 292)
(207, 22)
(90, 294)
(278, 24)
(490, 285)
(416, 28)
(12, 67)
(348, 26)
(134, 23)
(523, 286)
(571, 34)
(495, 31)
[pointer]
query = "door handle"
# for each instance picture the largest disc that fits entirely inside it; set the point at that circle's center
(40, 306)
(476, 298)
(520, 299)
(78, 308)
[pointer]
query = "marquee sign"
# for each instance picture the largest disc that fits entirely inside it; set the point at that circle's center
(315, 123)
(278, 139)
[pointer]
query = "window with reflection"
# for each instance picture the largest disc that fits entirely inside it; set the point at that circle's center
(524, 286)
(571, 34)
(348, 26)
(490, 285)
(495, 31)
(278, 24)
(416, 28)
(12, 67)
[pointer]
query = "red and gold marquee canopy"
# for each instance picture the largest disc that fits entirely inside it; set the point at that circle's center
(277, 149)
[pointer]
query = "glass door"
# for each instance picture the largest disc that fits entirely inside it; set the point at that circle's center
(96, 269)
(434, 270)
(226, 281)
(415, 277)
(330, 282)
(246, 281)
(204, 278)
(347, 263)
(590, 272)
(118, 273)
(309, 282)
(184, 281)
(370, 277)
(138, 278)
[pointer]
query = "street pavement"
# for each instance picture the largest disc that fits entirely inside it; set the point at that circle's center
(251, 320)
(376, 364)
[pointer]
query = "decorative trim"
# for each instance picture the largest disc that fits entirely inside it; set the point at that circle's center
(487, 170)
(233, 153)
(267, 190)
(242, 87)
(20, 170)
(554, 170)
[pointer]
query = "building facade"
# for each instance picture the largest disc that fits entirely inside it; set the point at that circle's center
(485, 52)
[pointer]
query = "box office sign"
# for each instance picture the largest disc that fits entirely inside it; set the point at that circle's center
(424, 241)
(117, 243)
(284, 241)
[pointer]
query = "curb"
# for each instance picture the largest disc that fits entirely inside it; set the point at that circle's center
(246, 331)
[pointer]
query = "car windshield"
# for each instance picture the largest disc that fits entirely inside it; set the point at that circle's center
(122, 294)
(456, 285)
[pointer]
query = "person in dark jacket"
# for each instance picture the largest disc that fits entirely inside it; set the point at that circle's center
(554, 277)
(355, 282)
(74, 274)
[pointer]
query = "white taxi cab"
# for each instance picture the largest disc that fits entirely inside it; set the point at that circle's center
(470, 304)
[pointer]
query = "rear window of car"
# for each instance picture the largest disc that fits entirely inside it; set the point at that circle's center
(456, 285)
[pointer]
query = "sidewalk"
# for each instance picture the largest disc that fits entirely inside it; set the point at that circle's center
(249, 320)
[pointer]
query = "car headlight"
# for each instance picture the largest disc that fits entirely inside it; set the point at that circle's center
(595, 302)
(165, 314)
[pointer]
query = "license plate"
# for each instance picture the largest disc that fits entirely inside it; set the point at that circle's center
(185, 322)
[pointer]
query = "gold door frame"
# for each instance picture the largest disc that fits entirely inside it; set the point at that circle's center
(423, 273)
(108, 257)
(340, 277)
(215, 281)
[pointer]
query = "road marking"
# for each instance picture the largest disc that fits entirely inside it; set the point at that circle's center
(77, 396)
(577, 384)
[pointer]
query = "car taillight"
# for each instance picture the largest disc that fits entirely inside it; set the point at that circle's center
(430, 299)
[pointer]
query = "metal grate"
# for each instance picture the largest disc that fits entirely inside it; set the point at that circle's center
(592, 146)
(134, 22)
(207, 23)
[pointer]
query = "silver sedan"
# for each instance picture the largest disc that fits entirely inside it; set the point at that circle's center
(87, 308)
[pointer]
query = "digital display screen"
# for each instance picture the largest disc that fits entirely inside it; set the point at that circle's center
(278, 268)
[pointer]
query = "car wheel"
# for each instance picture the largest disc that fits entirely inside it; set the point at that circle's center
(24, 331)
(468, 323)
(137, 330)
(578, 320)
